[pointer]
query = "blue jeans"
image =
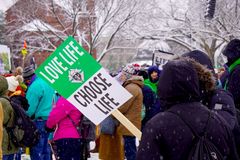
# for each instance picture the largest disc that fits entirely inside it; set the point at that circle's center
(130, 148)
(42, 150)
(69, 148)
(18, 154)
(8, 157)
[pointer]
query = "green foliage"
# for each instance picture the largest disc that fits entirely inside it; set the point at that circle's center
(5, 59)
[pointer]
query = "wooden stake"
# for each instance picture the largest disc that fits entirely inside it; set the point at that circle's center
(122, 119)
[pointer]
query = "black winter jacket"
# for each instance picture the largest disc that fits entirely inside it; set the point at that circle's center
(233, 85)
(166, 136)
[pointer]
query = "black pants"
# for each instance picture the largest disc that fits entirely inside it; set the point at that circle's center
(69, 148)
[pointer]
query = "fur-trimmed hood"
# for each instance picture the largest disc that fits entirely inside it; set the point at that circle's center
(207, 81)
(178, 83)
(206, 78)
(205, 71)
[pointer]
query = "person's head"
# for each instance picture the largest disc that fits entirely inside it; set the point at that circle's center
(232, 51)
(207, 80)
(143, 73)
(28, 72)
(201, 58)
(12, 84)
(19, 78)
(18, 71)
(3, 86)
(178, 83)
(153, 74)
(136, 66)
(128, 72)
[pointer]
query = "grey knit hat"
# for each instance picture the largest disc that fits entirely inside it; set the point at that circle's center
(28, 72)
(129, 70)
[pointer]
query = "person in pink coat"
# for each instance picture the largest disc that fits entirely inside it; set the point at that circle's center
(66, 136)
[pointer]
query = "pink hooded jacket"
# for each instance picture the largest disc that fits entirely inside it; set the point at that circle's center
(58, 118)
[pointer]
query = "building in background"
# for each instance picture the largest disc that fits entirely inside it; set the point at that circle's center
(44, 25)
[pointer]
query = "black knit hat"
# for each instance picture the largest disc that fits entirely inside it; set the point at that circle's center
(200, 57)
(28, 72)
(232, 50)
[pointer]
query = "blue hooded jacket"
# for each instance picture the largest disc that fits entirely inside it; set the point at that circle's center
(150, 82)
(40, 99)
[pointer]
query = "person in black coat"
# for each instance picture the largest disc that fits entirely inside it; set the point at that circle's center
(216, 99)
(219, 100)
(150, 100)
(232, 52)
(232, 80)
(166, 136)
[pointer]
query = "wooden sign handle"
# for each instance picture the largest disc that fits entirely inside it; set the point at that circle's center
(122, 119)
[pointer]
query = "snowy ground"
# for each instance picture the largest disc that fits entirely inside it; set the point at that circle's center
(94, 156)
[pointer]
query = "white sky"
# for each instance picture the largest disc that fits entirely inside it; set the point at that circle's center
(5, 4)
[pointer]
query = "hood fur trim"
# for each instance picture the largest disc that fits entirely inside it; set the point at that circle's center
(206, 78)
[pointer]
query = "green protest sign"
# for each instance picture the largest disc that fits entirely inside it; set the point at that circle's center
(76, 75)
(63, 69)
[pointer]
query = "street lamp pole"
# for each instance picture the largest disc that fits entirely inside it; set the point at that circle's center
(210, 9)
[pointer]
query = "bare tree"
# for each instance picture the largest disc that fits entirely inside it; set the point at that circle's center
(46, 23)
(1, 27)
(113, 17)
(186, 25)
(106, 22)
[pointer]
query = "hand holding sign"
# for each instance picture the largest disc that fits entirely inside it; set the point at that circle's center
(82, 81)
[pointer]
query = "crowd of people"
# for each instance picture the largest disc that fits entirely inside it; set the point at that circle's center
(174, 107)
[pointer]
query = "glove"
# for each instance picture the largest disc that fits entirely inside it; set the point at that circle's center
(49, 129)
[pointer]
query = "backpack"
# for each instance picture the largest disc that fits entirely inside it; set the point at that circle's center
(85, 128)
(24, 132)
(109, 125)
(202, 148)
(236, 131)
(88, 129)
(20, 100)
